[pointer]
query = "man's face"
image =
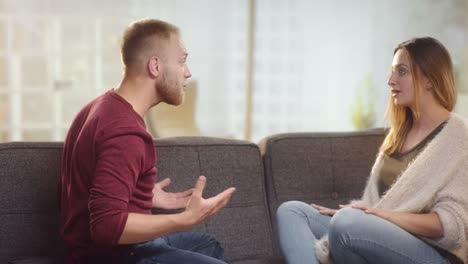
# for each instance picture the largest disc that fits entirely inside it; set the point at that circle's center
(175, 72)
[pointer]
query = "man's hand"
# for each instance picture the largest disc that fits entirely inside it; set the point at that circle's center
(199, 209)
(327, 211)
(167, 200)
(144, 227)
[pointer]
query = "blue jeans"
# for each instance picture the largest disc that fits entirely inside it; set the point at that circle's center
(354, 236)
(178, 248)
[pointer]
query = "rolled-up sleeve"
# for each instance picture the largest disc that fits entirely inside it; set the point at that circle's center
(452, 219)
(451, 205)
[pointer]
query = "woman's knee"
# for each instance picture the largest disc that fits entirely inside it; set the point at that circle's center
(347, 222)
(289, 208)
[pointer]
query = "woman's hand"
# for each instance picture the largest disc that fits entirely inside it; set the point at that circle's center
(375, 211)
(423, 224)
(327, 211)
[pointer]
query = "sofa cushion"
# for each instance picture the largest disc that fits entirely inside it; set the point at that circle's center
(28, 187)
(34, 260)
(29, 220)
(243, 226)
(264, 260)
(323, 168)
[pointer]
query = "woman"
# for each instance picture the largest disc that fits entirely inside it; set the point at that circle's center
(415, 206)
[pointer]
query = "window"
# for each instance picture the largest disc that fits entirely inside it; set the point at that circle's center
(312, 59)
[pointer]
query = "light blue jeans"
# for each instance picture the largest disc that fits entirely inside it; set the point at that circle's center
(354, 236)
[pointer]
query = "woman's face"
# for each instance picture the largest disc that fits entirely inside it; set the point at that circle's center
(401, 80)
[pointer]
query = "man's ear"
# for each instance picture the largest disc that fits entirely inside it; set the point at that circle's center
(154, 66)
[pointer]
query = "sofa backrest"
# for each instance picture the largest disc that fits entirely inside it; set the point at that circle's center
(29, 217)
(29, 221)
(323, 168)
(243, 227)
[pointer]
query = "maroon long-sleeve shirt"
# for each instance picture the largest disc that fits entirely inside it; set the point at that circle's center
(108, 171)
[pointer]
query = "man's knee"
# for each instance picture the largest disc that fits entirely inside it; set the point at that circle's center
(211, 240)
(218, 250)
(210, 246)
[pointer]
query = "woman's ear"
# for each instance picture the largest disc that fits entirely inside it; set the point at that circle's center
(425, 82)
(154, 66)
(428, 85)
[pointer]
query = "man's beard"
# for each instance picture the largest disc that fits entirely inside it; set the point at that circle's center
(170, 90)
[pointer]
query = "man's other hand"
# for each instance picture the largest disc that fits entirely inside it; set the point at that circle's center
(168, 200)
(199, 209)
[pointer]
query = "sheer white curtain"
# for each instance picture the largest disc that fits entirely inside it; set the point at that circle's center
(56, 55)
(314, 60)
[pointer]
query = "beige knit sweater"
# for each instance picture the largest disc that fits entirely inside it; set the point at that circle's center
(436, 181)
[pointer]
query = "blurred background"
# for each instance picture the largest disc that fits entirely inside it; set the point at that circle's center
(260, 67)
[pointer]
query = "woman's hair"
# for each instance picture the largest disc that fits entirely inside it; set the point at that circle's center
(430, 58)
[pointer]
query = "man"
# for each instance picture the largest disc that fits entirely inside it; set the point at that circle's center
(107, 185)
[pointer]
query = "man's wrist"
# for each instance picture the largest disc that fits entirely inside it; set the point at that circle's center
(183, 220)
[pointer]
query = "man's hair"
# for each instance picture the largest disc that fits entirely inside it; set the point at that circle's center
(141, 37)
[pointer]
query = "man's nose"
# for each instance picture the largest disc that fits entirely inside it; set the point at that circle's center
(187, 73)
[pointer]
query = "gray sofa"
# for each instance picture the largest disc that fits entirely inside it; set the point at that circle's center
(325, 168)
